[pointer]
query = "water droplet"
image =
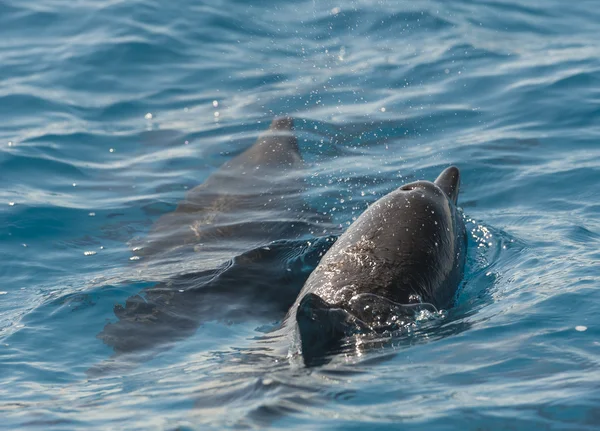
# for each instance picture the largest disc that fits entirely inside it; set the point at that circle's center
(382, 109)
(112, 150)
(74, 184)
(216, 114)
(336, 10)
(148, 116)
(215, 103)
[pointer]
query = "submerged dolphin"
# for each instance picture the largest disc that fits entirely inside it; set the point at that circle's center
(242, 204)
(405, 252)
(224, 230)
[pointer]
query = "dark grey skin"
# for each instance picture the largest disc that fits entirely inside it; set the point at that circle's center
(409, 247)
(239, 206)
(221, 241)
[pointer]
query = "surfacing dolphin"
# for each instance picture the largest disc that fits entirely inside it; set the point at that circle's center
(404, 254)
(239, 232)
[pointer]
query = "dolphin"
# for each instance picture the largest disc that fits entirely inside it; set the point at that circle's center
(404, 254)
(239, 233)
(239, 206)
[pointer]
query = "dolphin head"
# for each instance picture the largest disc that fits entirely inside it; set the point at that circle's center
(322, 327)
(448, 182)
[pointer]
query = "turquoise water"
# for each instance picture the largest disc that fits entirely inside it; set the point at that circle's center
(111, 110)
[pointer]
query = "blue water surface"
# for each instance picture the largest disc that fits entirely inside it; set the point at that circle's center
(112, 109)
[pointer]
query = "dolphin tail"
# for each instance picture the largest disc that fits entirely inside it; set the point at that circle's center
(449, 182)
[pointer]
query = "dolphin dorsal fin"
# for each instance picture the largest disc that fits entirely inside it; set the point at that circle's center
(449, 182)
(275, 148)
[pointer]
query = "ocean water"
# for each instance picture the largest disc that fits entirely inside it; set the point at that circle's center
(111, 110)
